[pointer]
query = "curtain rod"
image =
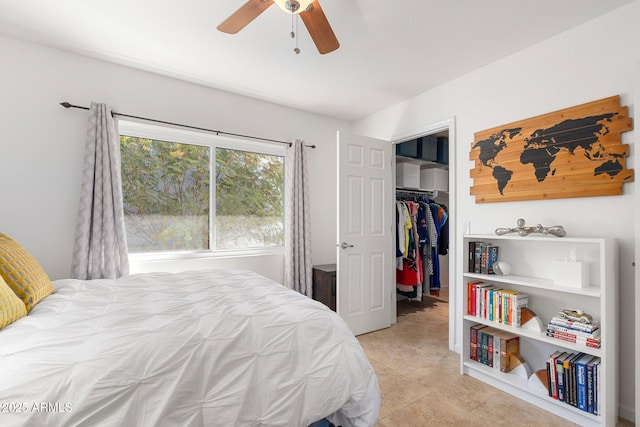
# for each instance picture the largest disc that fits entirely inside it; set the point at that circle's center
(217, 132)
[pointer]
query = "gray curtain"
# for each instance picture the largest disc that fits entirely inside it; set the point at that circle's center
(100, 246)
(297, 260)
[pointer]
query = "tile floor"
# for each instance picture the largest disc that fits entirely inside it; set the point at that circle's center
(420, 378)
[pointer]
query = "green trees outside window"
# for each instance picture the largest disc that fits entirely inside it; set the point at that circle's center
(167, 189)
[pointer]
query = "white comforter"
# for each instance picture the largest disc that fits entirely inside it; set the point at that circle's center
(200, 348)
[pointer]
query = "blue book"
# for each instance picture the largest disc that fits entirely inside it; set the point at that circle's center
(591, 384)
(581, 381)
(490, 310)
(596, 388)
(492, 258)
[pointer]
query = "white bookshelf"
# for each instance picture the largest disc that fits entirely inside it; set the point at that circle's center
(531, 258)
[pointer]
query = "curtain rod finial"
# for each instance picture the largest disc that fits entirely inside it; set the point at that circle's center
(65, 104)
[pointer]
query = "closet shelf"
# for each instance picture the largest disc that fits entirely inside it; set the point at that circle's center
(424, 164)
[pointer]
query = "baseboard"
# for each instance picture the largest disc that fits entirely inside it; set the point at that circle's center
(627, 413)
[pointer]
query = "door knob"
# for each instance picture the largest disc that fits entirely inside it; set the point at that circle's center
(345, 245)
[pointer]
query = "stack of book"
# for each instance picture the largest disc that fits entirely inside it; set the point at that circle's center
(482, 255)
(574, 378)
(587, 334)
(493, 347)
(487, 301)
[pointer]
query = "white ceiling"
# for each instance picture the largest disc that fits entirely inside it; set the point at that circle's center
(390, 50)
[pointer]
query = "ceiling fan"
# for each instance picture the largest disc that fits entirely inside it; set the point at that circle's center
(309, 10)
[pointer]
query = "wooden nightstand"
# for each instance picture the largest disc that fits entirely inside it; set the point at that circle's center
(324, 285)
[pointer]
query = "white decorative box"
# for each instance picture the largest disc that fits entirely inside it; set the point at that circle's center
(434, 179)
(574, 274)
(408, 175)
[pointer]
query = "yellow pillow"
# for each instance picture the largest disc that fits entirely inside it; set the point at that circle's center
(23, 273)
(11, 307)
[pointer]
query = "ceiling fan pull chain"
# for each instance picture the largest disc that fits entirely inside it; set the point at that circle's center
(296, 50)
(293, 34)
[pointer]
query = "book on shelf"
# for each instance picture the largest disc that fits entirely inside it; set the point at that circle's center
(493, 304)
(477, 257)
(472, 296)
(581, 381)
(549, 385)
(597, 410)
(472, 257)
(486, 337)
(512, 302)
(592, 343)
(490, 348)
(520, 300)
(486, 302)
(560, 377)
(566, 369)
(509, 344)
(491, 258)
(570, 365)
(573, 332)
(576, 379)
(480, 298)
(473, 341)
(553, 389)
(590, 382)
(493, 347)
(481, 257)
(496, 304)
(579, 326)
(497, 360)
(484, 257)
(483, 345)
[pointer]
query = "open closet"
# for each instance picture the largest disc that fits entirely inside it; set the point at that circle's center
(422, 217)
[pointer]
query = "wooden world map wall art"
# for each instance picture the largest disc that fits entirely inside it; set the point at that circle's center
(575, 152)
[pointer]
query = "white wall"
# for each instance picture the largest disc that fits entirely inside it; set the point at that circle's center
(42, 144)
(593, 61)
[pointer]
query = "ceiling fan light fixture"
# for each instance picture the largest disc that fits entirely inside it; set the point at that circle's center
(293, 6)
(313, 18)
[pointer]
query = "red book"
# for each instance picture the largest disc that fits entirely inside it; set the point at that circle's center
(474, 296)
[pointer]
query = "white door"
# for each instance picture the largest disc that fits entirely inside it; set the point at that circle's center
(365, 281)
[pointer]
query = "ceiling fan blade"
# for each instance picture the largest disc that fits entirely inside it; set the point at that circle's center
(319, 29)
(241, 17)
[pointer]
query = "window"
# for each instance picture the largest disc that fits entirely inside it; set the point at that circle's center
(186, 191)
(249, 199)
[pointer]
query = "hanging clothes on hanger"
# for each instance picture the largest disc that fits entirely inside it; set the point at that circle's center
(409, 272)
(422, 225)
(440, 218)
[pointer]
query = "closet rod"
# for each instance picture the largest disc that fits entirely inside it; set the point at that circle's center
(430, 193)
(217, 132)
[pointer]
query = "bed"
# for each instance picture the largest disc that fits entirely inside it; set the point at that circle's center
(198, 348)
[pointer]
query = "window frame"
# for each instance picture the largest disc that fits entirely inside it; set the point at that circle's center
(213, 141)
